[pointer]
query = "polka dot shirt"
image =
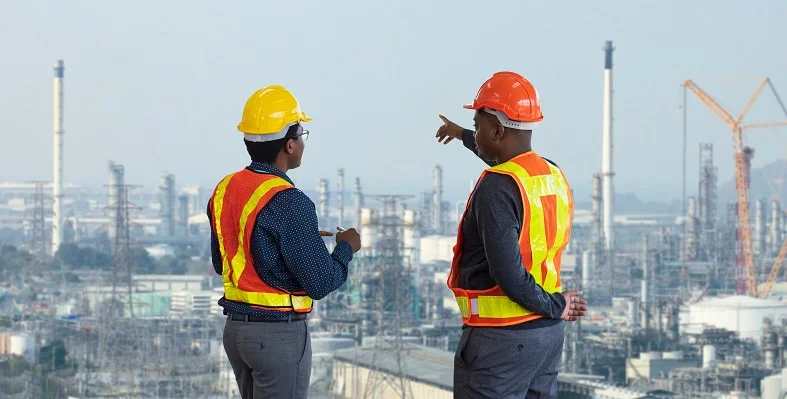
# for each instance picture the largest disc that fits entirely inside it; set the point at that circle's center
(287, 250)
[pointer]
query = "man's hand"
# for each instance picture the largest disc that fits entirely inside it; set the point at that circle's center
(448, 131)
(352, 237)
(575, 306)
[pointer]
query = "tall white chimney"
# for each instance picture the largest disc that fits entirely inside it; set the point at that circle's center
(57, 183)
(608, 197)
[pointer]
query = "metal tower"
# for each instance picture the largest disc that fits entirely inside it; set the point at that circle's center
(706, 203)
(393, 292)
(38, 229)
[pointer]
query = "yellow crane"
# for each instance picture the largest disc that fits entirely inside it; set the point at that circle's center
(742, 174)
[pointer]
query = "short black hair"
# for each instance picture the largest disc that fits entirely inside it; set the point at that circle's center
(267, 151)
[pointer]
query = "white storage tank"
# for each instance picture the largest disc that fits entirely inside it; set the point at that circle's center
(771, 387)
(708, 356)
(437, 248)
(369, 228)
(741, 314)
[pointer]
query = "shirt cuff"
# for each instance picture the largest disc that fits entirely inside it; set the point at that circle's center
(343, 252)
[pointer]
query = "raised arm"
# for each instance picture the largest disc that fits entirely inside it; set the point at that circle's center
(449, 131)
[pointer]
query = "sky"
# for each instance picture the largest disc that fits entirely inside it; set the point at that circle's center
(160, 86)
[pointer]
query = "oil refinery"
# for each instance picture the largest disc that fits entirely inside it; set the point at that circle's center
(116, 297)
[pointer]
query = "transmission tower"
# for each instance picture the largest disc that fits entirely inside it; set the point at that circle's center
(393, 292)
(39, 243)
(118, 341)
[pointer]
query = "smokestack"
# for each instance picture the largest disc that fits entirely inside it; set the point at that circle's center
(167, 203)
(57, 186)
(437, 199)
(340, 195)
(322, 191)
(606, 151)
(597, 233)
(776, 227)
(759, 227)
(183, 208)
(357, 201)
(116, 181)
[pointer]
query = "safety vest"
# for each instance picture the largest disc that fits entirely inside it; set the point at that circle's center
(234, 205)
(549, 208)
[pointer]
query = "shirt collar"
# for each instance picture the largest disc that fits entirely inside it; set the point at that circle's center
(268, 168)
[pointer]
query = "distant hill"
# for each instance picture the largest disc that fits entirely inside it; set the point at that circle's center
(763, 182)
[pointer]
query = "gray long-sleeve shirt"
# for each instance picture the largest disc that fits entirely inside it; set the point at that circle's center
(490, 252)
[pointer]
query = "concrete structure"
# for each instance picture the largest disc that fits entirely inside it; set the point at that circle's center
(652, 365)
(164, 282)
(192, 302)
(57, 176)
(18, 344)
(435, 248)
(741, 314)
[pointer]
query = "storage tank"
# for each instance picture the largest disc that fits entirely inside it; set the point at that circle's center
(369, 227)
(708, 356)
(771, 387)
(741, 314)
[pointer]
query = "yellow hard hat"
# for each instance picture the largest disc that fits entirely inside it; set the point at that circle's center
(269, 111)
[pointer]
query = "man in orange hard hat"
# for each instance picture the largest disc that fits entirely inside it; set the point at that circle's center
(505, 272)
(266, 246)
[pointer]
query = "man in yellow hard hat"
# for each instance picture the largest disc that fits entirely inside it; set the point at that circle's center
(505, 273)
(266, 245)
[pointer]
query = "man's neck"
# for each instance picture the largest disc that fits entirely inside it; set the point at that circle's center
(281, 164)
(513, 153)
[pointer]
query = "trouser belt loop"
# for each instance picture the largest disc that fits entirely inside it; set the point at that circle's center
(246, 318)
(289, 317)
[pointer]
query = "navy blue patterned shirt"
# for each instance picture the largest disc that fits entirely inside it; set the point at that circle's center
(287, 250)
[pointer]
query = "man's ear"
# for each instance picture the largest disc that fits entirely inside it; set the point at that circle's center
(288, 147)
(499, 130)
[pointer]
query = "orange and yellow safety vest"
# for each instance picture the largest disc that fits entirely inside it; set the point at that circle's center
(549, 208)
(234, 206)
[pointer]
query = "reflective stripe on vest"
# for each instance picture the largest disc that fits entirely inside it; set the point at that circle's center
(235, 203)
(548, 207)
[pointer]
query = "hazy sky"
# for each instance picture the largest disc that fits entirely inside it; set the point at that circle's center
(160, 85)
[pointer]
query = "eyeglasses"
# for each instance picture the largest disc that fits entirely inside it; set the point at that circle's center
(304, 134)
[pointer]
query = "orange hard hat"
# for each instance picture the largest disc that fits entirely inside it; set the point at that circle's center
(512, 98)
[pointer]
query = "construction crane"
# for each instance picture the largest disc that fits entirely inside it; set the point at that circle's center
(741, 172)
(777, 265)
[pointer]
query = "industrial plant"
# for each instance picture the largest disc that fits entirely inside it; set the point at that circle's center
(110, 292)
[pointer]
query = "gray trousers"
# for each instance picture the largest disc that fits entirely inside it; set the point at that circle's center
(499, 363)
(270, 360)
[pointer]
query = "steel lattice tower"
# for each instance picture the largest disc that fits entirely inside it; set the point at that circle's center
(39, 244)
(392, 299)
